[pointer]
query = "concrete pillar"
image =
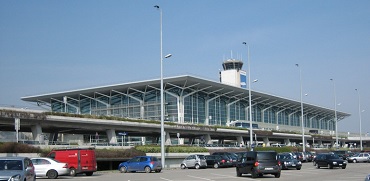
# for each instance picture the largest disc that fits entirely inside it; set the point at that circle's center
(287, 142)
(168, 139)
(208, 139)
(266, 141)
(53, 137)
(111, 134)
(239, 139)
(181, 141)
(319, 142)
(143, 140)
(37, 132)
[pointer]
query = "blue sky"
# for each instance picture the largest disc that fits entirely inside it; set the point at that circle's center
(52, 46)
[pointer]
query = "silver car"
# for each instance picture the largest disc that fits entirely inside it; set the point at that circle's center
(359, 157)
(194, 161)
(367, 178)
(17, 168)
(47, 167)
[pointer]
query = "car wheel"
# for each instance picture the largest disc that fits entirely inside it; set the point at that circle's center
(197, 166)
(89, 173)
(317, 165)
(52, 174)
(123, 169)
(157, 171)
(298, 168)
(354, 161)
(330, 166)
(147, 169)
(344, 167)
(238, 173)
(215, 165)
(277, 175)
(183, 166)
(254, 174)
(72, 172)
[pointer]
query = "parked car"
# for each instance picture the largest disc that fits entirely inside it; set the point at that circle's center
(17, 168)
(232, 156)
(300, 156)
(141, 163)
(258, 163)
(329, 160)
(367, 178)
(216, 161)
(309, 156)
(47, 167)
(342, 153)
(288, 161)
(194, 161)
(359, 157)
(80, 160)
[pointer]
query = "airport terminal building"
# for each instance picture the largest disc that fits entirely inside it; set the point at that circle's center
(193, 100)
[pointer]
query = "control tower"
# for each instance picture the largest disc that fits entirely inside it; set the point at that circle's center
(232, 73)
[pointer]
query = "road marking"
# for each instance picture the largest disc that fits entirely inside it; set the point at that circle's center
(200, 178)
(165, 179)
(235, 177)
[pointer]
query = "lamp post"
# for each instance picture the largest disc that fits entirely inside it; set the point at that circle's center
(302, 121)
(250, 99)
(335, 116)
(359, 113)
(162, 104)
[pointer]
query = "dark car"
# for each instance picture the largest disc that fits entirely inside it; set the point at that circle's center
(300, 156)
(258, 163)
(342, 154)
(329, 160)
(288, 161)
(141, 163)
(232, 157)
(216, 161)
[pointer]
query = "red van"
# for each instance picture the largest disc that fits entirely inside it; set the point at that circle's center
(80, 160)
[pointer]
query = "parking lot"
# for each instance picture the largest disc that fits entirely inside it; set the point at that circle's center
(354, 171)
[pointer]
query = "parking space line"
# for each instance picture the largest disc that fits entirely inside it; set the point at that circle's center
(234, 177)
(200, 178)
(165, 179)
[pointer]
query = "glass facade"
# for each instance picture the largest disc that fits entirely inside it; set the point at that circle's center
(185, 105)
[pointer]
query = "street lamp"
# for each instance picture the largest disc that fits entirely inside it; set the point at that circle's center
(250, 100)
(302, 121)
(162, 104)
(359, 113)
(335, 116)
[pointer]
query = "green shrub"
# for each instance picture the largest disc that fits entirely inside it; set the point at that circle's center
(114, 153)
(171, 149)
(11, 147)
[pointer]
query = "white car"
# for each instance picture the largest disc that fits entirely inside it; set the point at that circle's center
(359, 157)
(47, 167)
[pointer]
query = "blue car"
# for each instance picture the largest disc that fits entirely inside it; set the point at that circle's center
(141, 163)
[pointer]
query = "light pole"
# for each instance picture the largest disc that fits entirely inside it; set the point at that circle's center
(302, 121)
(250, 100)
(335, 116)
(162, 104)
(359, 113)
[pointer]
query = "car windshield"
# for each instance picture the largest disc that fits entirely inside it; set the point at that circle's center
(333, 156)
(10, 165)
(266, 155)
(201, 157)
(356, 155)
(287, 156)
